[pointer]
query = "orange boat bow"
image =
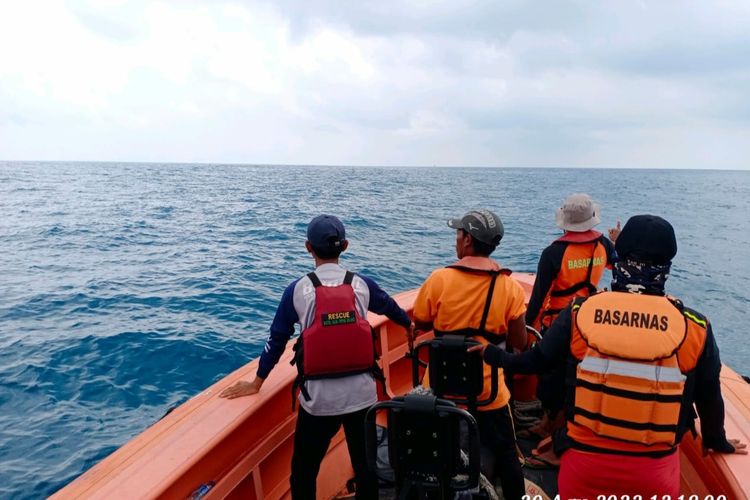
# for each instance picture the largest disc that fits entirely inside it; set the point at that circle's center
(243, 446)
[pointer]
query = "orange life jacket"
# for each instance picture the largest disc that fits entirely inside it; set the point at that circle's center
(490, 268)
(634, 352)
(581, 268)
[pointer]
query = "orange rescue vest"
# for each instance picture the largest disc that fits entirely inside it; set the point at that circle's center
(492, 270)
(634, 352)
(486, 266)
(581, 269)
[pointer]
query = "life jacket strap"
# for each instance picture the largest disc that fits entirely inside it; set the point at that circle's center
(315, 280)
(492, 338)
(487, 302)
(466, 269)
(572, 443)
(348, 278)
(299, 383)
(379, 375)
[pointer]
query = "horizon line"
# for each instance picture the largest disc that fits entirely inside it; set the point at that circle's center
(324, 165)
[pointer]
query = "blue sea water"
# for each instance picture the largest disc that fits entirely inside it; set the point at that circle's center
(127, 288)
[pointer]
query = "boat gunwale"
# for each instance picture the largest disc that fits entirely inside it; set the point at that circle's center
(120, 474)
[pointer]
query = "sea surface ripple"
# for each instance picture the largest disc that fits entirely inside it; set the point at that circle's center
(128, 288)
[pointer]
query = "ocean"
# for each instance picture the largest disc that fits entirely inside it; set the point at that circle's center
(128, 288)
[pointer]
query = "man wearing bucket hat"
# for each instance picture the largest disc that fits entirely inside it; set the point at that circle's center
(636, 362)
(573, 264)
(570, 267)
(456, 300)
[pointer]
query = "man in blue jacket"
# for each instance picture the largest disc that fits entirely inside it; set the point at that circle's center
(329, 401)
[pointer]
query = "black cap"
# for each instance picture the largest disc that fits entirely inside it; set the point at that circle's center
(325, 231)
(481, 224)
(647, 238)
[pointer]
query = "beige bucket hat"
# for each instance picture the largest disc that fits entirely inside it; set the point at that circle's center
(579, 213)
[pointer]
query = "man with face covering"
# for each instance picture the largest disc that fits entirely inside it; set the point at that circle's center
(637, 361)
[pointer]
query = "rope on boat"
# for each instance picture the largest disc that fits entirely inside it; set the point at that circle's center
(527, 413)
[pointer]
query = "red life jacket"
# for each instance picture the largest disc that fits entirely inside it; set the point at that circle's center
(339, 342)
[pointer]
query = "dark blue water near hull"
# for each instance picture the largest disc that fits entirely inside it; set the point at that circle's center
(128, 288)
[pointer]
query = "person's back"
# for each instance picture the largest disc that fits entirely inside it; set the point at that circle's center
(335, 357)
(334, 378)
(475, 297)
(637, 360)
(454, 299)
(570, 267)
(573, 264)
(640, 356)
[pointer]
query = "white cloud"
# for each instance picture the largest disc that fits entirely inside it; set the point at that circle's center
(471, 83)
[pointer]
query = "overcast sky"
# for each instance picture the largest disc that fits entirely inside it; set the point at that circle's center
(476, 83)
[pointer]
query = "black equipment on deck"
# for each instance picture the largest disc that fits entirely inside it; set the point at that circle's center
(424, 446)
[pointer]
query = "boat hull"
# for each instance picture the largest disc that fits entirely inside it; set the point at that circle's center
(242, 448)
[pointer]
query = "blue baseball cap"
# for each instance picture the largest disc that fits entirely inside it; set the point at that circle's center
(326, 231)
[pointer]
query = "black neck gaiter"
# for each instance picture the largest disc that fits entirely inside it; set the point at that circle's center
(638, 277)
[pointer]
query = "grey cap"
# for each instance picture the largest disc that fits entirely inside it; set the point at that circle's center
(481, 224)
(579, 213)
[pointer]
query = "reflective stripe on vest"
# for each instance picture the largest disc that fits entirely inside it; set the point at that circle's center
(648, 372)
(581, 268)
(631, 378)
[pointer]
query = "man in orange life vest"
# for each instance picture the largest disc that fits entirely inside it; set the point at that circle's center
(570, 267)
(478, 298)
(335, 357)
(573, 264)
(636, 362)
